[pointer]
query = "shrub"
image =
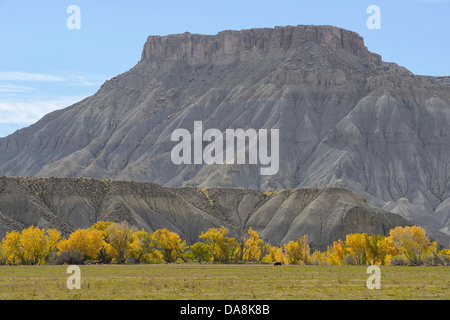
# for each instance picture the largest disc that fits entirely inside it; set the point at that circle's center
(398, 261)
(69, 256)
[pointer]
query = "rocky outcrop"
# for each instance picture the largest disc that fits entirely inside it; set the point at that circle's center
(253, 44)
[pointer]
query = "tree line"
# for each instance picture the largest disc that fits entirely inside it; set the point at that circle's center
(109, 242)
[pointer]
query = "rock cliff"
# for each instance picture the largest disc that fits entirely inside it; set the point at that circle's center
(253, 44)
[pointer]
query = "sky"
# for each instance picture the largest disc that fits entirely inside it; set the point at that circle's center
(49, 62)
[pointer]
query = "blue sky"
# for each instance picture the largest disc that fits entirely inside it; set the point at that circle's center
(46, 66)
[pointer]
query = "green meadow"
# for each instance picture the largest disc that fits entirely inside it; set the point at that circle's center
(219, 281)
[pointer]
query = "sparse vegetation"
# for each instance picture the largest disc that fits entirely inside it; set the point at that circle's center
(270, 193)
(205, 192)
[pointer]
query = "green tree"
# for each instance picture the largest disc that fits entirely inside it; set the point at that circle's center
(199, 252)
(118, 238)
(142, 248)
(377, 249)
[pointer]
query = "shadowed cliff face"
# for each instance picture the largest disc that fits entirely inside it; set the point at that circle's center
(66, 204)
(346, 119)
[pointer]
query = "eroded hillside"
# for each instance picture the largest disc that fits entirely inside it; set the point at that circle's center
(67, 204)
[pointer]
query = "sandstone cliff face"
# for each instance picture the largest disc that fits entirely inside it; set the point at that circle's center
(66, 204)
(346, 119)
(252, 44)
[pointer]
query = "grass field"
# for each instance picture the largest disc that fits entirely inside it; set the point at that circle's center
(192, 281)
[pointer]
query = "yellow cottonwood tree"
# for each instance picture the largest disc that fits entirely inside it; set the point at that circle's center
(445, 255)
(37, 244)
(336, 252)
(11, 248)
(88, 241)
(101, 226)
(297, 252)
(410, 242)
(32, 245)
(275, 254)
(319, 258)
(223, 249)
(53, 237)
(108, 241)
(170, 244)
(254, 247)
(356, 248)
(292, 252)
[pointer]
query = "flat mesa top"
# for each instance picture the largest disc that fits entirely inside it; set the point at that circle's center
(253, 43)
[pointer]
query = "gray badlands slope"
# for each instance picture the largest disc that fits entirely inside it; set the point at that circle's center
(346, 119)
(71, 203)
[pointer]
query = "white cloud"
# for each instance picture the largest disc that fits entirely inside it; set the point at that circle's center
(82, 81)
(11, 88)
(25, 76)
(22, 105)
(68, 79)
(28, 112)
